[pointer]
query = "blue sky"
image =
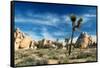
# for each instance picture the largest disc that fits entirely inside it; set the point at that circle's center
(52, 21)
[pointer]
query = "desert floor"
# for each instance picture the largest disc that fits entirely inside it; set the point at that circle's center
(26, 57)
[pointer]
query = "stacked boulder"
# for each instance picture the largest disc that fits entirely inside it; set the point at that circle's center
(21, 41)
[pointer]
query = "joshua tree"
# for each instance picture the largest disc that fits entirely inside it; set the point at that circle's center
(57, 40)
(67, 40)
(74, 27)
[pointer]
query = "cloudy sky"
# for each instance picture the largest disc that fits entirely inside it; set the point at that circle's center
(52, 21)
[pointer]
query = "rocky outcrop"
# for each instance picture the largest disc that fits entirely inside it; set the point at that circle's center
(45, 43)
(22, 41)
(84, 40)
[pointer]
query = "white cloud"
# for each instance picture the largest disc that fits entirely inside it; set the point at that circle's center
(47, 35)
(89, 15)
(46, 18)
(37, 21)
(60, 33)
(67, 19)
(33, 35)
(49, 18)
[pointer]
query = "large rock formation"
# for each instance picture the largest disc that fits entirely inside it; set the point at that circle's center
(45, 43)
(22, 41)
(84, 40)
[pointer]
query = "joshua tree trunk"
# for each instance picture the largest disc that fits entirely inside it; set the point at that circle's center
(71, 42)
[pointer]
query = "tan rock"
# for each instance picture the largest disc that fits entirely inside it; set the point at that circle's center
(84, 41)
(25, 43)
(21, 41)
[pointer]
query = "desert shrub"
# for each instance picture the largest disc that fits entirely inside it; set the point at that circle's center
(90, 59)
(26, 61)
(63, 61)
(32, 61)
(84, 55)
(53, 57)
(23, 53)
(42, 61)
